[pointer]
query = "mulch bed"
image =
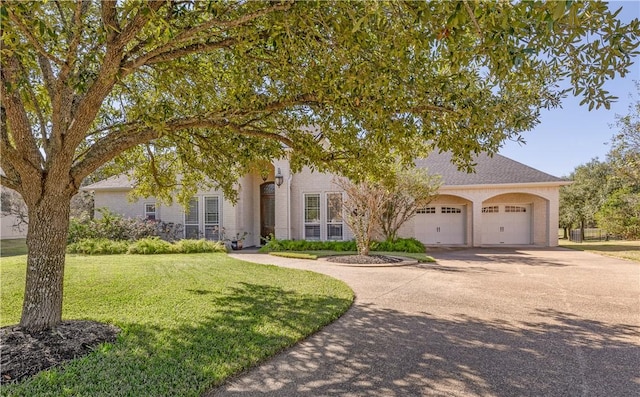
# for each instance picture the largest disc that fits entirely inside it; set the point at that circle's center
(363, 259)
(24, 354)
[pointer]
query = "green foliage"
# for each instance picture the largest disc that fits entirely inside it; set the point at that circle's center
(151, 245)
(110, 226)
(295, 255)
(188, 322)
(198, 246)
(620, 214)
(144, 246)
(98, 246)
(401, 245)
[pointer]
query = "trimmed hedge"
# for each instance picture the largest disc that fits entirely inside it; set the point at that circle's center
(401, 245)
(145, 246)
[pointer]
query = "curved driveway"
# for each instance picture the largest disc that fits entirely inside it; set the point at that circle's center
(479, 322)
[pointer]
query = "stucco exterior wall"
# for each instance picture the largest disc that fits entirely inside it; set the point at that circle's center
(7, 229)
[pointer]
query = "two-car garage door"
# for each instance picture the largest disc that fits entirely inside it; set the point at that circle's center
(502, 224)
(506, 224)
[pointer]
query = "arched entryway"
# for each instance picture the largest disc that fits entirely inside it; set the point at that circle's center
(267, 210)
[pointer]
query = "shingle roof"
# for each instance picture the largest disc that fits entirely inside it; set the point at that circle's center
(113, 183)
(488, 171)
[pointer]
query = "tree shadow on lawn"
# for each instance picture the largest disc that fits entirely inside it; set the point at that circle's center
(379, 352)
(247, 324)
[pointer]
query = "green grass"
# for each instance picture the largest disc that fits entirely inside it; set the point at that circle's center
(420, 257)
(188, 321)
(13, 247)
(294, 255)
(619, 249)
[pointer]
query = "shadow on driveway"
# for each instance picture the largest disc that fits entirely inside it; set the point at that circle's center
(384, 352)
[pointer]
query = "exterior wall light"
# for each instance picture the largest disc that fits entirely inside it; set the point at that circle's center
(279, 178)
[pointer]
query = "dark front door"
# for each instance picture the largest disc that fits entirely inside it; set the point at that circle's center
(267, 209)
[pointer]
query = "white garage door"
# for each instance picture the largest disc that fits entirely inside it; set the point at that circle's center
(506, 224)
(441, 225)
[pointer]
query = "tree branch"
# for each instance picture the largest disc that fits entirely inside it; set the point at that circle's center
(158, 56)
(10, 183)
(473, 18)
(16, 116)
(32, 40)
(110, 19)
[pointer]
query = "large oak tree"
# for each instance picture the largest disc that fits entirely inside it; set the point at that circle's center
(206, 88)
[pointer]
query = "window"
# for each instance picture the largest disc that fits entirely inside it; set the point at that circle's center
(192, 220)
(150, 211)
(426, 210)
(211, 218)
(312, 216)
(450, 210)
(334, 216)
(490, 210)
(514, 208)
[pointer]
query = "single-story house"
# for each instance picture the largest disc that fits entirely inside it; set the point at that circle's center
(503, 203)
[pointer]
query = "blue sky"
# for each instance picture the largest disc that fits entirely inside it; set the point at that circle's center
(573, 135)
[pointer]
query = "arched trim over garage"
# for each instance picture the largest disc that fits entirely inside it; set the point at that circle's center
(515, 219)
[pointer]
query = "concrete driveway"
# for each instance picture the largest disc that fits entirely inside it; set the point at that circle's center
(480, 322)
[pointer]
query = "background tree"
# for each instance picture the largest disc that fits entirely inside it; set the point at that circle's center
(204, 89)
(624, 154)
(619, 215)
(579, 202)
(404, 192)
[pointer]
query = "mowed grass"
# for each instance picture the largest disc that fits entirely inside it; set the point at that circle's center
(188, 321)
(619, 249)
(13, 247)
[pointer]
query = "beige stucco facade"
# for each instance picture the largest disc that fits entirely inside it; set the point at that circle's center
(470, 207)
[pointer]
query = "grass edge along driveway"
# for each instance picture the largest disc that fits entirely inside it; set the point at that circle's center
(188, 321)
(629, 250)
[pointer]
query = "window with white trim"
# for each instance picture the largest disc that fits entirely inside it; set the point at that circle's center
(192, 219)
(335, 225)
(212, 218)
(426, 210)
(450, 210)
(312, 216)
(150, 211)
(514, 208)
(490, 210)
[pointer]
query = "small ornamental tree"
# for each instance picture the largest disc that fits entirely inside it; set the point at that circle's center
(405, 192)
(362, 209)
(203, 89)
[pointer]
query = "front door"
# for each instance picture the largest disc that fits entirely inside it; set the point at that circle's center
(267, 210)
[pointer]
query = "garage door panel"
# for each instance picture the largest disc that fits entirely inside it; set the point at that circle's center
(506, 224)
(441, 225)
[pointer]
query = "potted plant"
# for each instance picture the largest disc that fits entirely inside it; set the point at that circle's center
(237, 241)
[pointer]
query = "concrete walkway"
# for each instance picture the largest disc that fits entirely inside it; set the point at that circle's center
(480, 322)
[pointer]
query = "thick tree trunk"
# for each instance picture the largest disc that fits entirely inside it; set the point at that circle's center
(46, 243)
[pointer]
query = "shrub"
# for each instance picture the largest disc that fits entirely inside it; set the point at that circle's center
(100, 246)
(111, 226)
(401, 245)
(151, 245)
(198, 246)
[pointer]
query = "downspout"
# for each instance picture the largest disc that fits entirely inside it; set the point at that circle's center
(289, 205)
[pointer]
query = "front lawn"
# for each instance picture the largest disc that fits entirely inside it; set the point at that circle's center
(619, 249)
(188, 321)
(13, 247)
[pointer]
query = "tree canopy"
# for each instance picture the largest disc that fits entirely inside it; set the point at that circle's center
(202, 90)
